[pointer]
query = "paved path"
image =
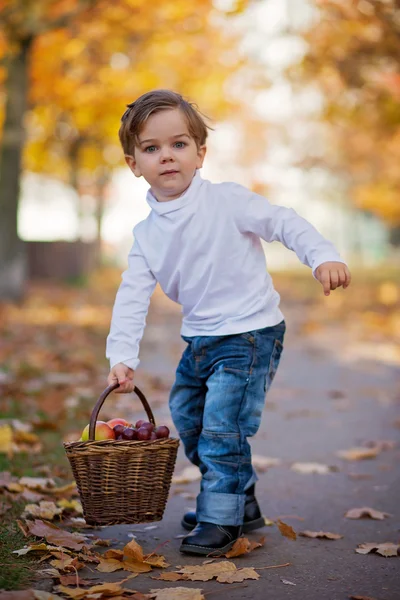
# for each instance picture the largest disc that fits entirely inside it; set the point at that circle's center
(323, 400)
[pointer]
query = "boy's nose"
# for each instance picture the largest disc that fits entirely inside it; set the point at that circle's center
(165, 155)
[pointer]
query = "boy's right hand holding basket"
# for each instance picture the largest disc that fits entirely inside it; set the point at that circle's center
(123, 375)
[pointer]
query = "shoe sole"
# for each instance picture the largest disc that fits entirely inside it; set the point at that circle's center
(249, 526)
(204, 550)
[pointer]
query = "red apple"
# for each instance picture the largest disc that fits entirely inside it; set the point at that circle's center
(113, 422)
(162, 431)
(102, 432)
(143, 434)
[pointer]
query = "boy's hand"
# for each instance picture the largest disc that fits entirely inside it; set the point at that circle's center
(124, 376)
(332, 275)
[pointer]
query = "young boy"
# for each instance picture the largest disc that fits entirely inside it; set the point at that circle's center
(201, 243)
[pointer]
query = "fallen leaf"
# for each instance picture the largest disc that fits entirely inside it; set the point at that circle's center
(31, 548)
(118, 554)
(37, 483)
(359, 453)
(103, 589)
(263, 463)
(238, 576)
(156, 560)
(133, 550)
(241, 546)
(205, 572)
(188, 475)
(308, 468)
(6, 439)
(320, 534)
(361, 598)
(135, 566)
(286, 530)
(109, 565)
(70, 505)
(385, 549)
(359, 513)
(45, 510)
(180, 593)
(57, 536)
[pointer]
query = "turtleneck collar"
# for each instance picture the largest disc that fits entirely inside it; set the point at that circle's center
(163, 208)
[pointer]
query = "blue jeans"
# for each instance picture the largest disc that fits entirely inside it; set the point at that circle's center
(216, 403)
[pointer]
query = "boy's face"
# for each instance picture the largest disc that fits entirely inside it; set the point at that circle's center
(167, 156)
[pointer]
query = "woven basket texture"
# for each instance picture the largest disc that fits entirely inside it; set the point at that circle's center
(123, 481)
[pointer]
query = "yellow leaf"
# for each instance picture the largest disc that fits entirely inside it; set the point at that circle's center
(45, 510)
(179, 593)
(109, 565)
(133, 550)
(238, 576)
(6, 439)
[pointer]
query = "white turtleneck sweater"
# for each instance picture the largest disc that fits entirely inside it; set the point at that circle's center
(204, 250)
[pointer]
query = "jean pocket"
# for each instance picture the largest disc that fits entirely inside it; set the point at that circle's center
(274, 361)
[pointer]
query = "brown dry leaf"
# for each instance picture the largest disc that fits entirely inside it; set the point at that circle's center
(133, 550)
(42, 595)
(179, 593)
(241, 546)
(68, 488)
(311, 467)
(205, 572)
(320, 534)
(385, 549)
(359, 513)
(359, 453)
(67, 563)
(188, 475)
(45, 510)
(361, 598)
(135, 566)
(259, 544)
(25, 437)
(117, 554)
(286, 530)
(238, 576)
(156, 560)
(75, 593)
(109, 565)
(14, 487)
(57, 536)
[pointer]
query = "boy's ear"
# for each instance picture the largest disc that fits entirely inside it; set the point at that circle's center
(132, 164)
(201, 152)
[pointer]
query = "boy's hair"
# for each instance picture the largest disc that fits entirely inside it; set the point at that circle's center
(138, 112)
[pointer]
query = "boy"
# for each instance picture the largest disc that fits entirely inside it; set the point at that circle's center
(201, 242)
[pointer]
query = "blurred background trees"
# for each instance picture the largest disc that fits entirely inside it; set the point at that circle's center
(69, 67)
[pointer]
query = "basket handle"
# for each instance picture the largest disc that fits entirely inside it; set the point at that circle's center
(100, 402)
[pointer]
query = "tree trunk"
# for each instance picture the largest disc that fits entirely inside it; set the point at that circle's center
(13, 263)
(101, 186)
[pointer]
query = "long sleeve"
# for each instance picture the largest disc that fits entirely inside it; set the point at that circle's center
(277, 223)
(130, 311)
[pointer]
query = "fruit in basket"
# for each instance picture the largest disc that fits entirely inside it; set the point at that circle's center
(139, 423)
(129, 434)
(147, 425)
(153, 436)
(119, 429)
(102, 432)
(143, 434)
(113, 422)
(162, 431)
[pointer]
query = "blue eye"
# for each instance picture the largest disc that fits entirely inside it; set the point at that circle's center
(150, 149)
(180, 144)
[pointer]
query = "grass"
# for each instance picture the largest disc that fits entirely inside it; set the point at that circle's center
(17, 572)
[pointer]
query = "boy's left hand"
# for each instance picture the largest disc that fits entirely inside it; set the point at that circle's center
(332, 275)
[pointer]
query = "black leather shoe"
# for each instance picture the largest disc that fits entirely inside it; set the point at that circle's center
(208, 538)
(253, 518)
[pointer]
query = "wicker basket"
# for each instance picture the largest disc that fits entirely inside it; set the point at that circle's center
(122, 481)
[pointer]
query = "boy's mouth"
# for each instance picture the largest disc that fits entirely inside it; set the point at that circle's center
(170, 172)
